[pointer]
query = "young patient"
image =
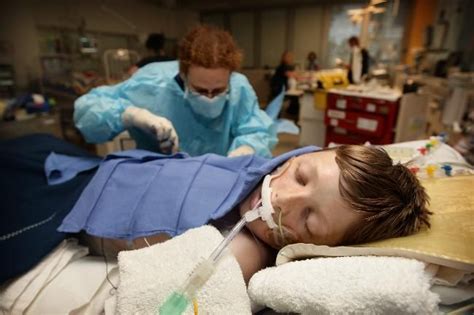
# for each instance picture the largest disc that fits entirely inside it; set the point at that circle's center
(347, 195)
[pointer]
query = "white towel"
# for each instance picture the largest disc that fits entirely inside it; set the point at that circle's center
(149, 275)
(342, 285)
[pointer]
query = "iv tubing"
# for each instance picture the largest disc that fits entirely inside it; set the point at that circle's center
(178, 301)
(216, 254)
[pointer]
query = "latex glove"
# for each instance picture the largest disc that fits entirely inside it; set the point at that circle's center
(161, 128)
(242, 150)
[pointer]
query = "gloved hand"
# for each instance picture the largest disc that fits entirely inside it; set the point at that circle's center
(242, 150)
(159, 127)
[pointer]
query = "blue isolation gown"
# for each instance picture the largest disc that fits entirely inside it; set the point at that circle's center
(157, 88)
(137, 193)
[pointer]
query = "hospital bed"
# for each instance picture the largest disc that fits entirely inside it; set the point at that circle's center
(69, 281)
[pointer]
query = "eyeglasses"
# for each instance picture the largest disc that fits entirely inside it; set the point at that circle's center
(209, 93)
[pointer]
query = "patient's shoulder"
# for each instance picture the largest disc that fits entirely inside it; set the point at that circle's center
(251, 253)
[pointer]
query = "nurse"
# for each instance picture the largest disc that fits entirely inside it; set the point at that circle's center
(198, 104)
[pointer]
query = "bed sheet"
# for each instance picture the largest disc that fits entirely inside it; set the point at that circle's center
(63, 281)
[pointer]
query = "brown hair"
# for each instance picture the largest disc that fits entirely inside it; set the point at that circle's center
(389, 196)
(208, 47)
(353, 40)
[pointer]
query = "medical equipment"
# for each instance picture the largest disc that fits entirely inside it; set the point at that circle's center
(421, 162)
(117, 62)
(179, 300)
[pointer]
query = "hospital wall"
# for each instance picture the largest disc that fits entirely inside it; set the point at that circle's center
(265, 33)
(446, 24)
(22, 18)
(422, 16)
(458, 17)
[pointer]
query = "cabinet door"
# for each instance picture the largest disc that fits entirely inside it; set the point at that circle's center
(359, 122)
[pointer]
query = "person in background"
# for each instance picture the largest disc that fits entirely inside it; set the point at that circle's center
(154, 44)
(358, 62)
(444, 66)
(279, 80)
(283, 72)
(200, 98)
(312, 64)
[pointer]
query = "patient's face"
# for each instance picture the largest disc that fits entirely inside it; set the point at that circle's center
(312, 209)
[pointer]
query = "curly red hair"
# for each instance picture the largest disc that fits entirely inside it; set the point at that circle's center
(208, 47)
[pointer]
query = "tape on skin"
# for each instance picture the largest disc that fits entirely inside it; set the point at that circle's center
(266, 210)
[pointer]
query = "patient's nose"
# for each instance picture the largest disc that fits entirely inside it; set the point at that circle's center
(291, 204)
(286, 196)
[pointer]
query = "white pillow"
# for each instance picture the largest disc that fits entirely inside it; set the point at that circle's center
(364, 285)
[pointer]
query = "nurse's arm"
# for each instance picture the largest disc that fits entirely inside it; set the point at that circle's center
(255, 129)
(97, 114)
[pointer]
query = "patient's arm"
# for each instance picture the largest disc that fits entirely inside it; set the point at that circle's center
(251, 254)
(111, 247)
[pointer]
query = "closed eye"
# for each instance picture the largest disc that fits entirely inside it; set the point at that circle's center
(299, 177)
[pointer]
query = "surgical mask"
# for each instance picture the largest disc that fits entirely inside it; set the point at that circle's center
(280, 234)
(205, 106)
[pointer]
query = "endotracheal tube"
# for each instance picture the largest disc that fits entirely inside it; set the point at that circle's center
(179, 300)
